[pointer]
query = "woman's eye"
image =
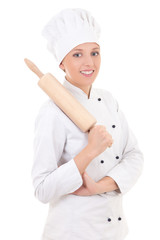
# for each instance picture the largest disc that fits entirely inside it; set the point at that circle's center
(95, 53)
(77, 55)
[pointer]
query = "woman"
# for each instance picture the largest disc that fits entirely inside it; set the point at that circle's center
(83, 176)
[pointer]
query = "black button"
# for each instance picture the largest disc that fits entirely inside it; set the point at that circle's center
(102, 161)
(109, 220)
(117, 157)
(119, 219)
(113, 126)
(99, 99)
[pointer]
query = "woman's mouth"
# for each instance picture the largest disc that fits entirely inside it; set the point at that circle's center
(87, 73)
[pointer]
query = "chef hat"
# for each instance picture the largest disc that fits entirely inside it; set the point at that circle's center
(68, 29)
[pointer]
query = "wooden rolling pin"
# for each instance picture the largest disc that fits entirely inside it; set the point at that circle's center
(63, 99)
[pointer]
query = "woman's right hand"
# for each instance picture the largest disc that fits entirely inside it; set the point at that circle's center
(99, 139)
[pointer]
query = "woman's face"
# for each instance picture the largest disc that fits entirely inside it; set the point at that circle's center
(82, 65)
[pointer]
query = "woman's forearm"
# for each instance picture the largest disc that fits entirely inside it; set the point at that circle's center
(83, 159)
(90, 187)
(106, 184)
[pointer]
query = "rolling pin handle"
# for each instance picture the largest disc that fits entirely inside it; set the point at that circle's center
(33, 68)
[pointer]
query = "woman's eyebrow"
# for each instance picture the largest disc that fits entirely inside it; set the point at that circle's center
(79, 49)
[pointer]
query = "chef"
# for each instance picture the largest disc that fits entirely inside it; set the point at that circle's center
(83, 176)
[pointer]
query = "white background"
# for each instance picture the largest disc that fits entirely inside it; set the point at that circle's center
(130, 43)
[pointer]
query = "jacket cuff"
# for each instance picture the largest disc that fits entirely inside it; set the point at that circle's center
(73, 178)
(118, 179)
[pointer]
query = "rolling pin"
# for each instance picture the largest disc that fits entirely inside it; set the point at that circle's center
(63, 99)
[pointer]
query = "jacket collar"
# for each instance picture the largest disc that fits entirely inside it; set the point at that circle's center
(76, 91)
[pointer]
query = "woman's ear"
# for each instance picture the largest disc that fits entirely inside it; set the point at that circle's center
(62, 66)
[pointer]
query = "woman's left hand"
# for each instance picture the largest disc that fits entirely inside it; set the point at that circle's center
(89, 187)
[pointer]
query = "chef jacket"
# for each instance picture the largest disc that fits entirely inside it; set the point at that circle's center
(55, 175)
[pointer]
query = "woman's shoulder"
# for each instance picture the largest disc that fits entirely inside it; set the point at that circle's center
(49, 112)
(48, 107)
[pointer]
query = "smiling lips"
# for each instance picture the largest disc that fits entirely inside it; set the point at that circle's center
(87, 73)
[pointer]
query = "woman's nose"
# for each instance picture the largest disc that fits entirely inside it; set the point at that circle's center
(88, 61)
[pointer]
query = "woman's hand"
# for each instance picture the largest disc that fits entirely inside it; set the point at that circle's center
(99, 139)
(89, 187)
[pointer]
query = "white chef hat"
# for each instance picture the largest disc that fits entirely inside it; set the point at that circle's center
(68, 29)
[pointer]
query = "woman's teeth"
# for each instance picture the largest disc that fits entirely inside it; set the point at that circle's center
(87, 72)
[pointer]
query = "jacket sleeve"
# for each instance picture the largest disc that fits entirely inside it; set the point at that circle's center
(50, 181)
(127, 172)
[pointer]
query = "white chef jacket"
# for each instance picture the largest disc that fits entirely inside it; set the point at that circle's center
(57, 141)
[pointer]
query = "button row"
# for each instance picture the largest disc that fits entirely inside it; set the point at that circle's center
(113, 126)
(119, 219)
(117, 157)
